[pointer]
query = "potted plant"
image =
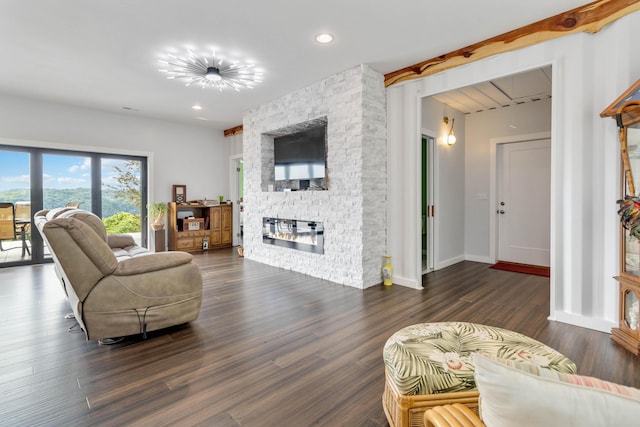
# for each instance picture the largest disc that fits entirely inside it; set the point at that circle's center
(157, 212)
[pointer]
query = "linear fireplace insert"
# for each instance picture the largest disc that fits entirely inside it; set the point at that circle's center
(293, 233)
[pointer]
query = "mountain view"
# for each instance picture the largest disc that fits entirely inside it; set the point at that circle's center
(118, 216)
(56, 198)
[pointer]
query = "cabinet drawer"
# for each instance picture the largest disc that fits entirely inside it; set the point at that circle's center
(187, 234)
(184, 244)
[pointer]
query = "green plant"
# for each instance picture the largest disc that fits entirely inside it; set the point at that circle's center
(157, 211)
(122, 222)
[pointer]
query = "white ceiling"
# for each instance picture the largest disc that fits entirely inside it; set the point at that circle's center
(103, 54)
(518, 88)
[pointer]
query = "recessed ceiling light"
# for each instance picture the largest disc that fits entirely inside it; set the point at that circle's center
(324, 38)
(197, 107)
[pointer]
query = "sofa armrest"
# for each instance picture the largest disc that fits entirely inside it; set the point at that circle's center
(456, 415)
(120, 240)
(152, 261)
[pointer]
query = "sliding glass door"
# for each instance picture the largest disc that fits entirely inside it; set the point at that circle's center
(114, 187)
(66, 179)
(122, 192)
(15, 206)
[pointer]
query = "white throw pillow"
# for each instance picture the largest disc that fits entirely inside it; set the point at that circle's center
(514, 396)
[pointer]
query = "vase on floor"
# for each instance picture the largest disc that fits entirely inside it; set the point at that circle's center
(387, 271)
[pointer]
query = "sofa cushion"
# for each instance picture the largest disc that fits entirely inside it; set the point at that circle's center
(89, 218)
(55, 212)
(120, 241)
(521, 394)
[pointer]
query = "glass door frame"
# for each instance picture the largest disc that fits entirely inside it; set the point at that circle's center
(36, 190)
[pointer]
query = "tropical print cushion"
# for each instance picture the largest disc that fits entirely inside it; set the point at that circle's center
(432, 358)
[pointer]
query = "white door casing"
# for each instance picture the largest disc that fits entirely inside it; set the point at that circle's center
(234, 195)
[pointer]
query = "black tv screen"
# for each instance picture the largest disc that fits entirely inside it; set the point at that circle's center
(300, 159)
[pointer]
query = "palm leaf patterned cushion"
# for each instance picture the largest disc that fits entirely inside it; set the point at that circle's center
(432, 358)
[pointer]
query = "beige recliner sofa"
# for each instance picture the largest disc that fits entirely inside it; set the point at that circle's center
(115, 287)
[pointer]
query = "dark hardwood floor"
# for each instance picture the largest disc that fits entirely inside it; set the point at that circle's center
(270, 348)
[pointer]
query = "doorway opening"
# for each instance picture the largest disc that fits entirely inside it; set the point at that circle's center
(506, 107)
(427, 204)
(236, 183)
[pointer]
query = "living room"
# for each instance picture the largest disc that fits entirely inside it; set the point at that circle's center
(587, 76)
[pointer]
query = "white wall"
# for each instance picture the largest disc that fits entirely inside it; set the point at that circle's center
(234, 144)
(587, 76)
(178, 154)
(481, 128)
(449, 219)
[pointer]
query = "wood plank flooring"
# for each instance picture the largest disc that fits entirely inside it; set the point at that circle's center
(270, 348)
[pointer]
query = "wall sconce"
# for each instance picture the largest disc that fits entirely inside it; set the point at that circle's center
(451, 138)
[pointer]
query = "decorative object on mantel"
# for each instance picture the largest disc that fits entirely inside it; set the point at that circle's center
(157, 212)
(208, 202)
(387, 271)
(626, 112)
(207, 68)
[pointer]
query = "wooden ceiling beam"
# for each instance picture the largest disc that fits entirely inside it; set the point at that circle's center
(589, 18)
(236, 130)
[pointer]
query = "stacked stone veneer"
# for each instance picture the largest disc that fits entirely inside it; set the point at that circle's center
(353, 209)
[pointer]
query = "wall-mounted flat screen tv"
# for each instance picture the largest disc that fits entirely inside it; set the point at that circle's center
(300, 159)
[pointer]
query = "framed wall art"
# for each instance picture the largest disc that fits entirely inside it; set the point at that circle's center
(180, 193)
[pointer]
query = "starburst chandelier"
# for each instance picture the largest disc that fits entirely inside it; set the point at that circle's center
(210, 70)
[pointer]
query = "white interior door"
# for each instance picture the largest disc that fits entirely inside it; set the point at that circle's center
(524, 202)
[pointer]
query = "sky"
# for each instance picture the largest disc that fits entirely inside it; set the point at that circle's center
(60, 171)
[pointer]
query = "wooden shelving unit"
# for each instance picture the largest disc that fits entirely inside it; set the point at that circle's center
(216, 227)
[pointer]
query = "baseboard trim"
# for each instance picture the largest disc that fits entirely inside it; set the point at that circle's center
(403, 281)
(596, 324)
(477, 258)
(450, 262)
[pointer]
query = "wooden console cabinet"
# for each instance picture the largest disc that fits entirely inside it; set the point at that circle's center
(216, 227)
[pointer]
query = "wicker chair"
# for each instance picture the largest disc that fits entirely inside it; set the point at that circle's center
(456, 415)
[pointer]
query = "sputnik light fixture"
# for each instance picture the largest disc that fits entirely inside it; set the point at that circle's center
(210, 70)
(450, 138)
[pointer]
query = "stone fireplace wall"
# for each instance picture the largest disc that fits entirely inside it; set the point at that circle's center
(353, 209)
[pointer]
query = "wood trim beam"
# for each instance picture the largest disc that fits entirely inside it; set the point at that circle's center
(589, 18)
(236, 130)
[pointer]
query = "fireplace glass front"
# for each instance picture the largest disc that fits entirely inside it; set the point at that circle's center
(294, 233)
